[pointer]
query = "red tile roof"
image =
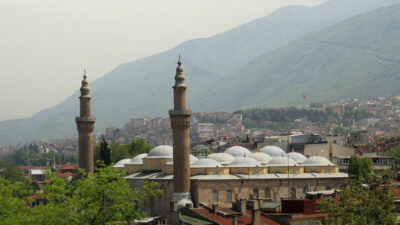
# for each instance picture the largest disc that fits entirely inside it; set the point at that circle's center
(396, 191)
(66, 174)
(69, 166)
(227, 220)
(46, 181)
(29, 167)
(36, 197)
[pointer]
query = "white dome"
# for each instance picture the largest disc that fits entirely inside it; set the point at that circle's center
(273, 151)
(192, 160)
(161, 151)
(183, 202)
(244, 162)
(238, 151)
(317, 161)
(261, 157)
(206, 163)
(223, 158)
(138, 160)
(121, 163)
(298, 157)
(281, 161)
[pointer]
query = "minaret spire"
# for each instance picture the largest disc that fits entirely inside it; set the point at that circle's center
(85, 124)
(180, 123)
(179, 77)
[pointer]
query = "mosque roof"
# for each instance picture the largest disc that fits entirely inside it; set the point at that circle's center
(261, 157)
(161, 151)
(317, 161)
(206, 163)
(192, 160)
(244, 162)
(121, 163)
(138, 160)
(298, 157)
(281, 161)
(223, 157)
(238, 151)
(273, 151)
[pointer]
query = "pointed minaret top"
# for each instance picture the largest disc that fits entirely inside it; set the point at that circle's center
(179, 77)
(85, 90)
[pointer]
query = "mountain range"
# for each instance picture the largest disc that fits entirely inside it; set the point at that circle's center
(339, 49)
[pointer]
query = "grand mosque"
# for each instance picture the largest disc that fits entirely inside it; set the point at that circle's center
(219, 178)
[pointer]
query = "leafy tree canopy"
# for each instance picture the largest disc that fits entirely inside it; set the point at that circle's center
(100, 198)
(316, 105)
(123, 151)
(359, 204)
(360, 168)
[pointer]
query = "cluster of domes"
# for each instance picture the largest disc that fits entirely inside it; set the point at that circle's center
(232, 157)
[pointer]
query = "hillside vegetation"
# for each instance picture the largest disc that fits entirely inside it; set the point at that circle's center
(359, 57)
(143, 87)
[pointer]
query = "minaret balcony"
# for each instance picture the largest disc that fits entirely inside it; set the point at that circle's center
(182, 112)
(85, 119)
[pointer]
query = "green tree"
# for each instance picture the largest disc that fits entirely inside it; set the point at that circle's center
(139, 146)
(10, 171)
(316, 105)
(105, 152)
(100, 198)
(360, 168)
(362, 205)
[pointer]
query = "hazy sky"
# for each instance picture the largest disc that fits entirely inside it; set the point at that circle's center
(44, 45)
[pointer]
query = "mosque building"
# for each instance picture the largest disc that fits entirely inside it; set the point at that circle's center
(227, 177)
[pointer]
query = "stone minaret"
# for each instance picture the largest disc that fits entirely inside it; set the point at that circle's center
(85, 124)
(180, 123)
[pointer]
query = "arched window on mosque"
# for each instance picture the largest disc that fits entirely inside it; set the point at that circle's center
(328, 188)
(229, 196)
(215, 196)
(255, 192)
(293, 193)
(267, 192)
(305, 190)
(158, 165)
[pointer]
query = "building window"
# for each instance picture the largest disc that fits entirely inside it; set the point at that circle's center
(267, 192)
(228, 196)
(293, 193)
(255, 171)
(313, 170)
(239, 172)
(158, 166)
(255, 192)
(328, 188)
(277, 171)
(216, 171)
(305, 190)
(215, 196)
(328, 170)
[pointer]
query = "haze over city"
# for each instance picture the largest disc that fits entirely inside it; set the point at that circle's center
(46, 44)
(200, 112)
